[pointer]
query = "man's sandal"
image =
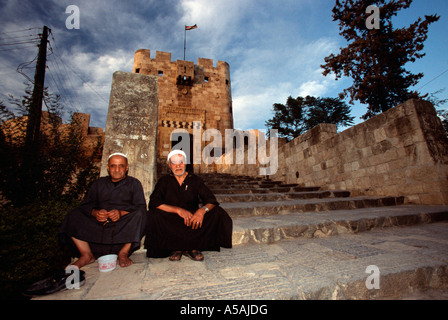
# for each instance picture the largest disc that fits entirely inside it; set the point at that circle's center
(176, 256)
(195, 255)
(57, 282)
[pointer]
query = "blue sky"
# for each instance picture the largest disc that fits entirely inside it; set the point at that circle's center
(274, 48)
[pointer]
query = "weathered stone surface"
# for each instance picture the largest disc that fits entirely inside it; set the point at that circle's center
(270, 229)
(286, 254)
(401, 152)
(188, 93)
(410, 260)
(131, 126)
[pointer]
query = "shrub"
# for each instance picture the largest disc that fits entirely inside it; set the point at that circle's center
(29, 244)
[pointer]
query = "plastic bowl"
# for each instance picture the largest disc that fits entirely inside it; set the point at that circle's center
(107, 263)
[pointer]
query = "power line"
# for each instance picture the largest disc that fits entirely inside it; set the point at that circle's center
(19, 48)
(18, 42)
(9, 40)
(36, 41)
(24, 65)
(60, 73)
(433, 79)
(59, 83)
(16, 31)
(55, 67)
(71, 69)
(20, 37)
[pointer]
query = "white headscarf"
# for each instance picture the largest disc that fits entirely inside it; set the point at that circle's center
(174, 152)
(117, 154)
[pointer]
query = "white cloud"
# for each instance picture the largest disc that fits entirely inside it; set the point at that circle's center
(252, 110)
(99, 69)
(269, 76)
(311, 88)
(218, 22)
(85, 80)
(274, 48)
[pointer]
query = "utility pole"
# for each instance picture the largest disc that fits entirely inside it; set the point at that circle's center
(35, 112)
(31, 171)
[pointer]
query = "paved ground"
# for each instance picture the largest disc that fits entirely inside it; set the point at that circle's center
(412, 263)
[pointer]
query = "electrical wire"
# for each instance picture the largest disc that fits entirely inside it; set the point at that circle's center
(73, 71)
(60, 74)
(16, 31)
(433, 79)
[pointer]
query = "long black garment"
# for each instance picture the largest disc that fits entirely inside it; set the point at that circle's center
(166, 232)
(107, 238)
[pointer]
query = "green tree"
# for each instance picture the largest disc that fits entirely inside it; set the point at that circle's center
(438, 103)
(443, 114)
(375, 58)
(302, 114)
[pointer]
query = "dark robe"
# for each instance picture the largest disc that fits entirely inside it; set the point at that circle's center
(167, 232)
(108, 238)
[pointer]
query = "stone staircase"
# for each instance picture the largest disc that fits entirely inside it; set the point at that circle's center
(294, 243)
(266, 211)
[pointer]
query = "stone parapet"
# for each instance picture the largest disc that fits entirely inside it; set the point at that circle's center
(401, 152)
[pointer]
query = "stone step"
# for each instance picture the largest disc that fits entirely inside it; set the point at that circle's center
(273, 228)
(408, 262)
(225, 176)
(232, 181)
(268, 196)
(232, 185)
(239, 180)
(247, 189)
(265, 208)
(227, 184)
(218, 180)
(293, 242)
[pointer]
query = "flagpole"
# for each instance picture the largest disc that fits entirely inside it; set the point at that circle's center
(185, 40)
(185, 35)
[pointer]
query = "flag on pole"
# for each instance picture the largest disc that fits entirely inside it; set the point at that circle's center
(185, 36)
(191, 27)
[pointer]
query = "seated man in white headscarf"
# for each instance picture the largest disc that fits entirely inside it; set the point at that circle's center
(176, 223)
(111, 218)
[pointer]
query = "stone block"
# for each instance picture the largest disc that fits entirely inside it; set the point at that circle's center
(131, 126)
(380, 134)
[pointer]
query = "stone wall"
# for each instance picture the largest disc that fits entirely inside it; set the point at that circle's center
(92, 137)
(401, 152)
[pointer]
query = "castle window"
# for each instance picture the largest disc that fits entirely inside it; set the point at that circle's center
(227, 81)
(160, 73)
(137, 70)
(205, 79)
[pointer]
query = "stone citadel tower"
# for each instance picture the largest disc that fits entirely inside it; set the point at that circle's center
(187, 93)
